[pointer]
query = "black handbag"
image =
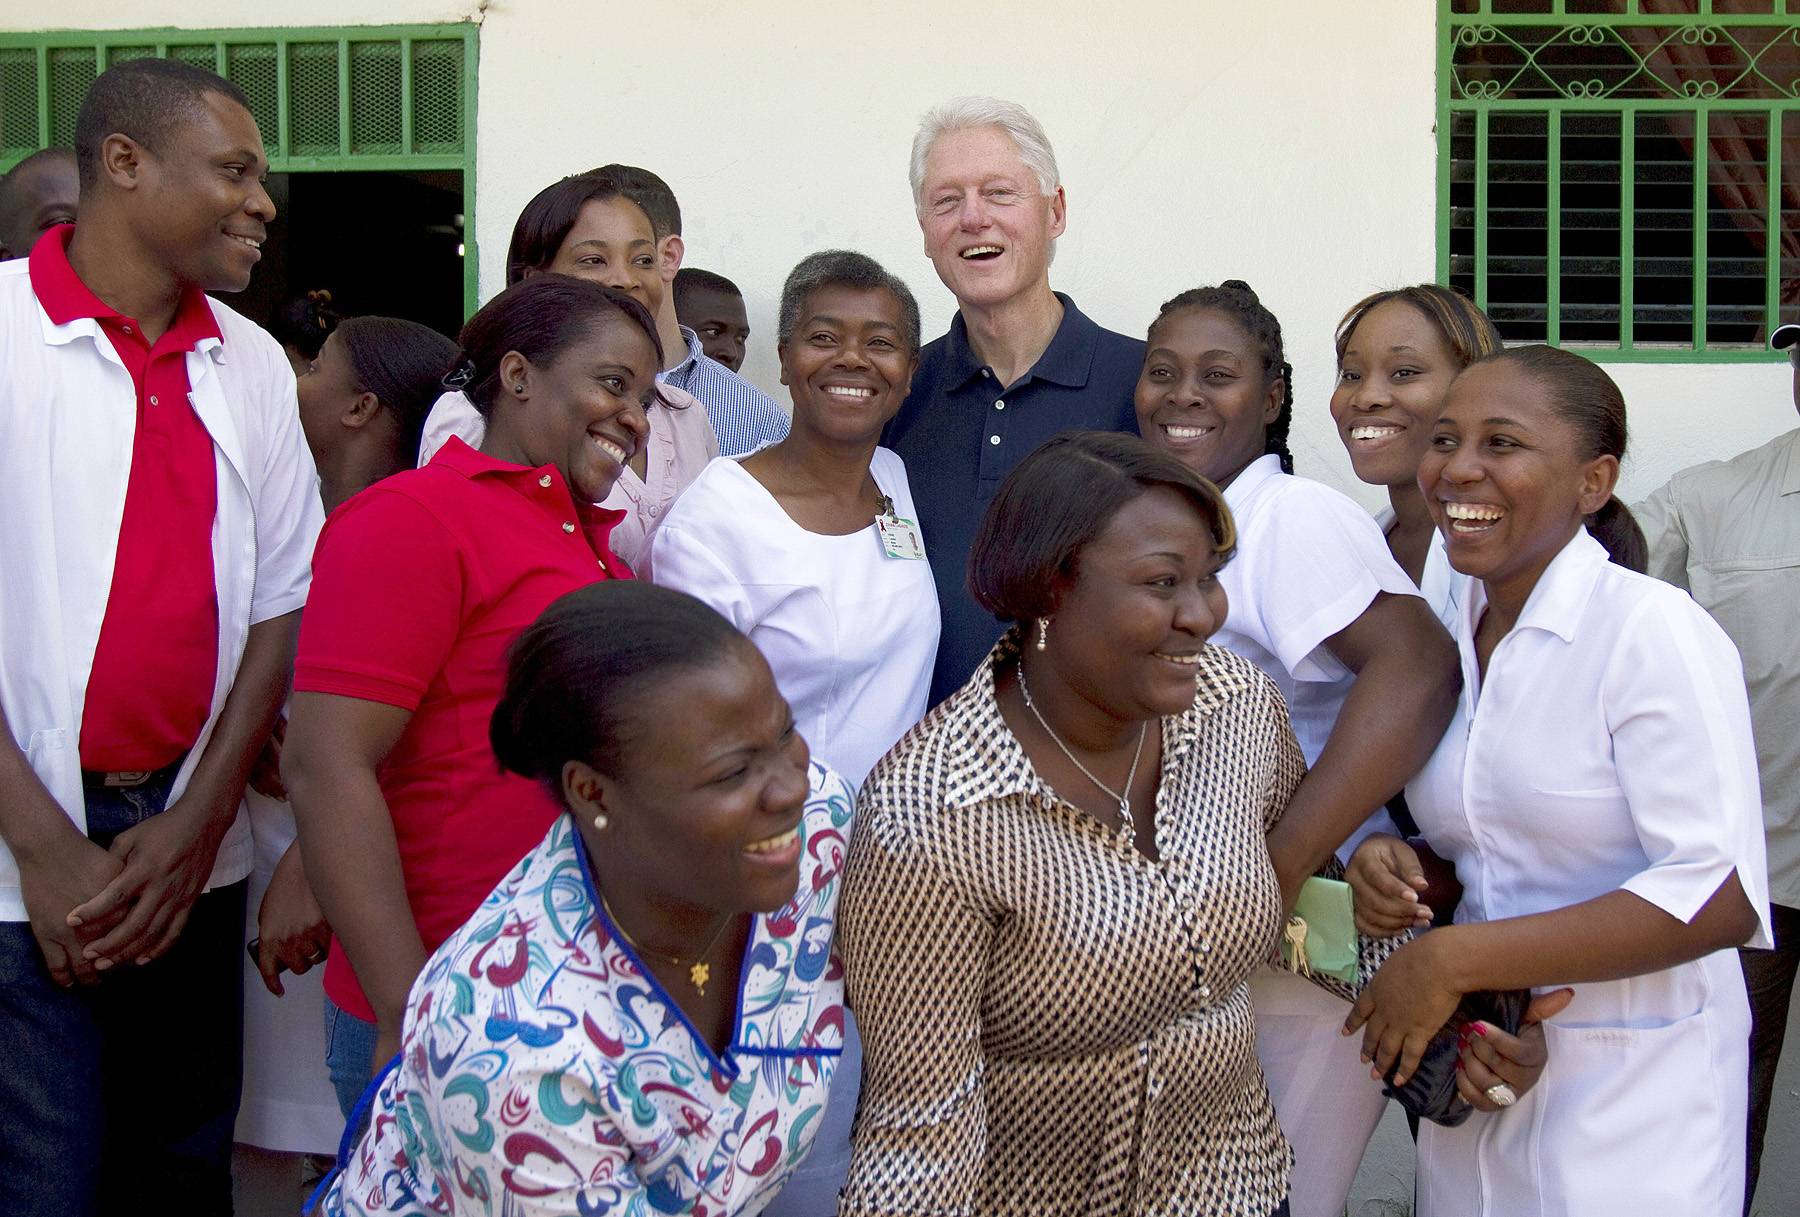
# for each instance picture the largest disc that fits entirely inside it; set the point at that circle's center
(1430, 1093)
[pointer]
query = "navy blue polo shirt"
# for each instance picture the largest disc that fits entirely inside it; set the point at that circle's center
(961, 432)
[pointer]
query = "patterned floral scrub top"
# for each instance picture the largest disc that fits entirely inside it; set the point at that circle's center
(1052, 1023)
(545, 1071)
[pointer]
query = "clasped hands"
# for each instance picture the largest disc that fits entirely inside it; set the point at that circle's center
(1412, 996)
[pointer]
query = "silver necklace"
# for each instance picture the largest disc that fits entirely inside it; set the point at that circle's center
(1123, 800)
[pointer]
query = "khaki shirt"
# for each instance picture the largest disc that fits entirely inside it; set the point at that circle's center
(1729, 532)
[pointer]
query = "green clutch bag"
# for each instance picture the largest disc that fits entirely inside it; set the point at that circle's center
(1320, 937)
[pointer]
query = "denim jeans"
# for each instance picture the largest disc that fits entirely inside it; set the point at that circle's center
(812, 1190)
(349, 1055)
(120, 1097)
(1769, 982)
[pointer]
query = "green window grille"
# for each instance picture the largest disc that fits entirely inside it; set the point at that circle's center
(357, 98)
(1623, 176)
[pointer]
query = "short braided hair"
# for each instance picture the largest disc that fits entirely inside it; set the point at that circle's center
(1237, 299)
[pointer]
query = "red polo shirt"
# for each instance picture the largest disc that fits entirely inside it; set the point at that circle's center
(420, 583)
(150, 692)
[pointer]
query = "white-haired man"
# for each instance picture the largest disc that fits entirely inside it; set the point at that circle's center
(1020, 362)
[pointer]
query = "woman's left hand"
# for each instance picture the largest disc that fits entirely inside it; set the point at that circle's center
(1403, 1006)
(1491, 1057)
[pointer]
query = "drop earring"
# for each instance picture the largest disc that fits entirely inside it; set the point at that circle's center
(1043, 632)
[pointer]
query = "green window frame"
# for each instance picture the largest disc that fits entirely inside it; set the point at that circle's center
(1556, 162)
(377, 97)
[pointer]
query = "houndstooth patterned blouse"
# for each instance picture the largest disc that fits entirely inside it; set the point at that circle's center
(1052, 1022)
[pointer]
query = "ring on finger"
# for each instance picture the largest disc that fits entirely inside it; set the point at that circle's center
(1501, 1095)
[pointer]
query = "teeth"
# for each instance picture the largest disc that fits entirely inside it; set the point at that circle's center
(611, 449)
(1174, 432)
(252, 243)
(980, 249)
(847, 391)
(1181, 659)
(1473, 511)
(769, 845)
(1373, 432)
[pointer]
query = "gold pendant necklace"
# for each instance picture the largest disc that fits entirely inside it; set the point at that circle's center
(699, 971)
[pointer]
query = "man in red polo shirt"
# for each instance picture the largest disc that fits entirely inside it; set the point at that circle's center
(157, 513)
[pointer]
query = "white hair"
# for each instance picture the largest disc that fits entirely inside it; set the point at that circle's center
(964, 113)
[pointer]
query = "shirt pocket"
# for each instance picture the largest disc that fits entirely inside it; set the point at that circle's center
(45, 747)
(1634, 1120)
(1586, 831)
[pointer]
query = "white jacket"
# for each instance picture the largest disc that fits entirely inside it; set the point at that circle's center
(67, 417)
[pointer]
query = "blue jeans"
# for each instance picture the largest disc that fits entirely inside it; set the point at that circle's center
(120, 1097)
(349, 1055)
(812, 1190)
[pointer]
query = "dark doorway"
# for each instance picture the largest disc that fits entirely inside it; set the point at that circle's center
(388, 244)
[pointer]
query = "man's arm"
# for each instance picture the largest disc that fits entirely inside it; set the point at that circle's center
(1666, 534)
(167, 859)
(58, 866)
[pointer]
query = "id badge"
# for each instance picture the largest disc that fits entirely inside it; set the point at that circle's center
(900, 537)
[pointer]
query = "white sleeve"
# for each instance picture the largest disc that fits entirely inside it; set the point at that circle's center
(288, 511)
(681, 560)
(1680, 722)
(453, 414)
(1314, 564)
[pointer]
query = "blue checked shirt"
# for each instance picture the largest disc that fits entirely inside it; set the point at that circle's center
(743, 416)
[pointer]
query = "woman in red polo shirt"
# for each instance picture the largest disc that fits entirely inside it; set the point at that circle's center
(419, 585)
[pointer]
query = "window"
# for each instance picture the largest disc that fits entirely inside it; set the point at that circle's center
(1623, 176)
(384, 99)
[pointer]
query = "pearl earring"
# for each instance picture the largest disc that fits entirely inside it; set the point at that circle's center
(601, 821)
(1043, 632)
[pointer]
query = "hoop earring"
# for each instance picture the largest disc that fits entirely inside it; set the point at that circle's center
(1043, 632)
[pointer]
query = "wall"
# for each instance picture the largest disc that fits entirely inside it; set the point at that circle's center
(1199, 140)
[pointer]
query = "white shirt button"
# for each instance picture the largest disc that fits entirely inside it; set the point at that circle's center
(985, 373)
(999, 405)
(1205, 990)
(568, 527)
(994, 439)
(127, 329)
(153, 399)
(1205, 947)
(545, 481)
(655, 510)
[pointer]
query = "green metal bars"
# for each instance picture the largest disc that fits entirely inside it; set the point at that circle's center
(357, 98)
(1539, 100)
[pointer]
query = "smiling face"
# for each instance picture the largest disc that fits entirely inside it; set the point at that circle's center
(1396, 369)
(1505, 477)
(1203, 394)
(583, 411)
(1128, 627)
(988, 225)
(846, 363)
(612, 244)
(199, 201)
(712, 789)
(721, 323)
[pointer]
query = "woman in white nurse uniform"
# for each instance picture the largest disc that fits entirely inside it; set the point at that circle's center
(1316, 602)
(1597, 792)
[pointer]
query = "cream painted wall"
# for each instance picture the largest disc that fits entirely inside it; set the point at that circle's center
(1287, 144)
